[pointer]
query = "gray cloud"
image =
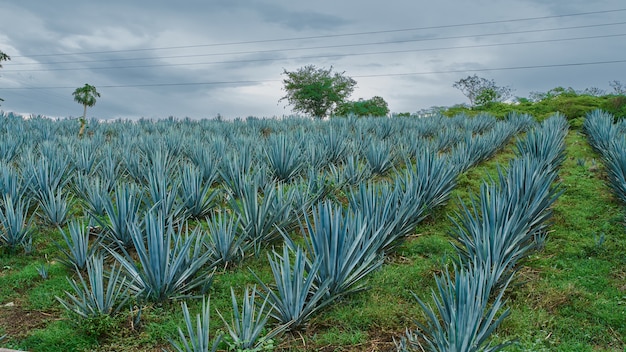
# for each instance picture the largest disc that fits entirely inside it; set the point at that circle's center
(195, 27)
(299, 20)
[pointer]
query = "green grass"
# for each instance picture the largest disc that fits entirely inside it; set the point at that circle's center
(571, 296)
(573, 291)
(57, 336)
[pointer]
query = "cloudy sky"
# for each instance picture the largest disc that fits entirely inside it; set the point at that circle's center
(200, 58)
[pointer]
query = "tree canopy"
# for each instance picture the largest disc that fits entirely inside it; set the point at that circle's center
(85, 95)
(376, 106)
(316, 91)
(481, 91)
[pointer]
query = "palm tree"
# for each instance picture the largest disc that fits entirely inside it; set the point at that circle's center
(87, 96)
(3, 57)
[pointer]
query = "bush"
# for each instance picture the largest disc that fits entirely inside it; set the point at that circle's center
(571, 104)
(615, 105)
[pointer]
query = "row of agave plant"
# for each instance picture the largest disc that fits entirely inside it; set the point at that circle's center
(141, 183)
(114, 179)
(343, 246)
(492, 234)
(608, 139)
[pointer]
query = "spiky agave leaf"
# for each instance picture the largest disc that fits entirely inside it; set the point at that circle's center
(11, 182)
(314, 155)
(311, 189)
(248, 321)
(205, 160)
(110, 168)
(163, 190)
(94, 192)
(76, 252)
(477, 148)
(196, 194)
(353, 171)
(122, 210)
(295, 297)
(10, 146)
(606, 138)
(16, 227)
(464, 316)
(169, 260)
(46, 175)
(335, 145)
(422, 187)
(262, 217)
(236, 170)
(480, 123)
(378, 206)
(98, 294)
(344, 246)
(497, 228)
(447, 138)
(284, 158)
(600, 130)
(546, 142)
(532, 184)
(225, 245)
(380, 158)
(55, 206)
(198, 338)
(615, 161)
(520, 122)
(85, 157)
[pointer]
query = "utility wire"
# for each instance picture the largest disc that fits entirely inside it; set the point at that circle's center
(510, 68)
(330, 35)
(326, 55)
(326, 46)
(355, 76)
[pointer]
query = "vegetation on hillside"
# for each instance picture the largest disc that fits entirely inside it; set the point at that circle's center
(574, 105)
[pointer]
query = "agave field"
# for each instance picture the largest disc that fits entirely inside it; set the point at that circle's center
(398, 234)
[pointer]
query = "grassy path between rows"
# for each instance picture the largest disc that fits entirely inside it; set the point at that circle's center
(572, 295)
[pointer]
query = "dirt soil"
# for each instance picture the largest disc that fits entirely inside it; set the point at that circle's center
(17, 322)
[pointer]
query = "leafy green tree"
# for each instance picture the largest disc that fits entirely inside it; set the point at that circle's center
(376, 106)
(3, 57)
(86, 96)
(486, 96)
(316, 91)
(481, 91)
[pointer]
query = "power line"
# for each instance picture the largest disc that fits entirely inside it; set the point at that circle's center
(326, 55)
(152, 84)
(495, 69)
(324, 47)
(355, 76)
(330, 35)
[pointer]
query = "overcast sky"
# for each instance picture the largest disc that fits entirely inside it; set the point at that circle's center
(156, 58)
